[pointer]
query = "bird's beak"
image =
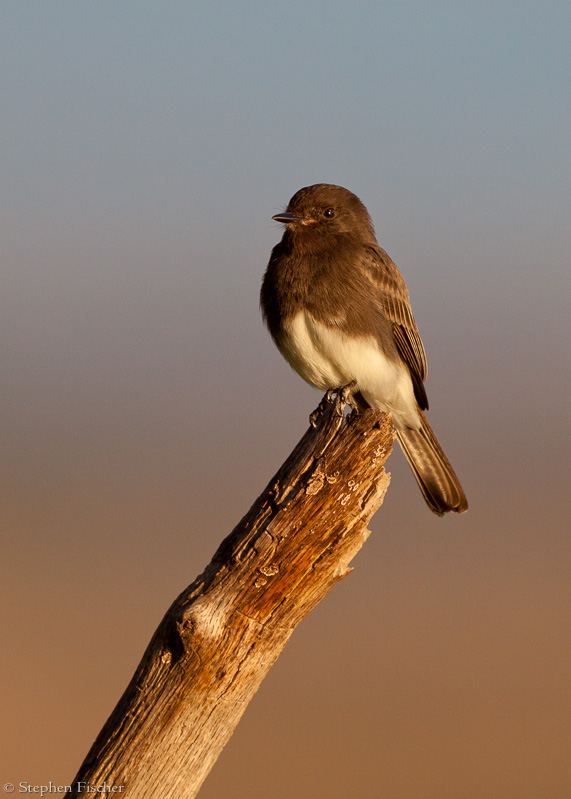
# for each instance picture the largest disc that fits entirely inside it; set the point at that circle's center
(288, 219)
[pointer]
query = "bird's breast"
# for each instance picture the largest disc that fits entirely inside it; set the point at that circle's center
(327, 357)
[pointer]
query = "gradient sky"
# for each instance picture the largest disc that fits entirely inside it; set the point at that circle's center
(145, 147)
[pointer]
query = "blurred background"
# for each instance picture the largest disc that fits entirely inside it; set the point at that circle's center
(145, 147)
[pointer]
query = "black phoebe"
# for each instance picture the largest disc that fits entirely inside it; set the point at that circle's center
(338, 309)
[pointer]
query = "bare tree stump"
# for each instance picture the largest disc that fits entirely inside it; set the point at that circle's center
(222, 634)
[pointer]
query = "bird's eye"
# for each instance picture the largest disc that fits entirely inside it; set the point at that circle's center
(329, 213)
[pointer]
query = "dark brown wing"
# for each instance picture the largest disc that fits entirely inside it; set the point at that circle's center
(392, 293)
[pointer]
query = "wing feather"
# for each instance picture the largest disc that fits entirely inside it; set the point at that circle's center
(392, 294)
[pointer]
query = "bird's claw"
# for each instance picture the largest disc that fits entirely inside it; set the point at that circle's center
(341, 396)
(345, 396)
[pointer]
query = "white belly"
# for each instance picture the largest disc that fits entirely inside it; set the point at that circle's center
(327, 358)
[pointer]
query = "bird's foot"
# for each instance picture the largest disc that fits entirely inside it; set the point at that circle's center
(345, 396)
(339, 397)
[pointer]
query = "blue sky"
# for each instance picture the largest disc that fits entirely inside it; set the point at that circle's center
(167, 135)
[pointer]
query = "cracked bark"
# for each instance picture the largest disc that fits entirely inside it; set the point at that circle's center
(223, 633)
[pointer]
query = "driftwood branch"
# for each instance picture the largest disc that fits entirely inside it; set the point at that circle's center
(222, 634)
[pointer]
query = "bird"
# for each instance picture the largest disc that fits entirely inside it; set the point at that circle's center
(338, 309)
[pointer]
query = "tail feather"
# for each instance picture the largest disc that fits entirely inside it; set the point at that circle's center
(432, 469)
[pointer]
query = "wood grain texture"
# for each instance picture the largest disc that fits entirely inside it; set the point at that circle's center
(223, 633)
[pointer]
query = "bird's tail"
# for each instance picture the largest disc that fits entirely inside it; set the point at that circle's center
(434, 474)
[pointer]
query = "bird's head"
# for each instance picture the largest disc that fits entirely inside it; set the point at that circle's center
(324, 209)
